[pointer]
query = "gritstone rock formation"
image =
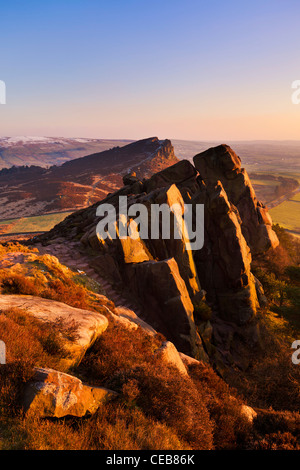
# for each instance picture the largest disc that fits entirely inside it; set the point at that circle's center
(164, 276)
(222, 164)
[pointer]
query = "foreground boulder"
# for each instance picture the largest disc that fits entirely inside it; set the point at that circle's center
(53, 394)
(170, 355)
(87, 325)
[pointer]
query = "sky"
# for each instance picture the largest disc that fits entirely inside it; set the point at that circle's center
(130, 69)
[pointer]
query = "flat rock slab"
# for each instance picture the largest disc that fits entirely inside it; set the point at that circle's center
(130, 316)
(89, 325)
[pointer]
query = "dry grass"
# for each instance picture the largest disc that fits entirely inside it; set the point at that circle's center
(44, 276)
(200, 409)
(158, 408)
(111, 428)
(29, 343)
(9, 247)
(272, 380)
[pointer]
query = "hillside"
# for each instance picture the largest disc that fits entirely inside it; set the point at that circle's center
(33, 190)
(156, 345)
(49, 151)
(35, 197)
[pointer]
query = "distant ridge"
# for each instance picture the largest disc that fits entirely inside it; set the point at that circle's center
(34, 190)
(48, 151)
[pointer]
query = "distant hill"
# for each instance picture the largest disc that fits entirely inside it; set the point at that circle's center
(48, 151)
(34, 190)
(260, 155)
(42, 175)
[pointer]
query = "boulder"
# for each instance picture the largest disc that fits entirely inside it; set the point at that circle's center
(188, 360)
(128, 319)
(53, 394)
(170, 355)
(248, 413)
(89, 325)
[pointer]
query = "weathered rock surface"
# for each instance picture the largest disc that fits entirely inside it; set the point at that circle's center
(53, 394)
(166, 302)
(188, 360)
(89, 325)
(170, 355)
(249, 413)
(175, 174)
(224, 263)
(177, 248)
(128, 319)
(222, 164)
(163, 275)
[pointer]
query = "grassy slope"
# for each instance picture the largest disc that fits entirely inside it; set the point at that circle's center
(157, 408)
(40, 223)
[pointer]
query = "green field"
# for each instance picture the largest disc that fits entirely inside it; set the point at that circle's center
(263, 182)
(287, 214)
(40, 223)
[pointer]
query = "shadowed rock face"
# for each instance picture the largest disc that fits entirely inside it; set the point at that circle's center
(164, 296)
(224, 263)
(164, 275)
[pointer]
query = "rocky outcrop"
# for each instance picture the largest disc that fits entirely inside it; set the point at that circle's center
(53, 394)
(166, 302)
(87, 325)
(175, 174)
(224, 263)
(163, 274)
(158, 271)
(128, 319)
(222, 164)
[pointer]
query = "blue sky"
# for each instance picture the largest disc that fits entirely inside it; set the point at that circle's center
(190, 69)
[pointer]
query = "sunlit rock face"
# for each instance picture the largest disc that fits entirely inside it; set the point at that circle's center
(164, 275)
(222, 164)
